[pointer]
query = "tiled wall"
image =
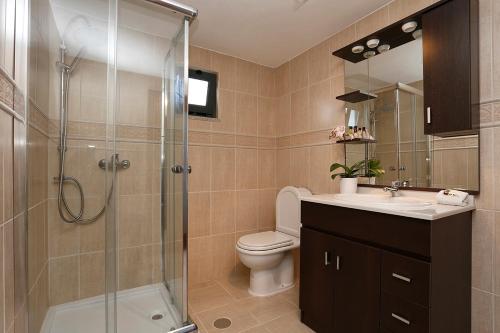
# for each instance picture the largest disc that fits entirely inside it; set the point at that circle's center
(76, 252)
(232, 187)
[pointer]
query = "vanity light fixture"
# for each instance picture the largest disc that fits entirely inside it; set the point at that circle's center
(358, 49)
(369, 54)
(372, 43)
(409, 26)
(417, 34)
(383, 48)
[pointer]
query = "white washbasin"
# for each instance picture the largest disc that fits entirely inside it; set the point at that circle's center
(382, 200)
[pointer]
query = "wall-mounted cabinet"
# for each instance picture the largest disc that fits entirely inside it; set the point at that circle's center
(451, 68)
(449, 32)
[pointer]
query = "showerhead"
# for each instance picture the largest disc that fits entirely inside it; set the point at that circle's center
(71, 22)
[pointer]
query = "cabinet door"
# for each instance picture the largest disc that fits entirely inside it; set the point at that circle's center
(450, 82)
(316, 280)
(357, 287)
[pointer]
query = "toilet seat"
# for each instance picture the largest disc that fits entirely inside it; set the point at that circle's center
(265, 241)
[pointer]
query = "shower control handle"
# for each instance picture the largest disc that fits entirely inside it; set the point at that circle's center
(115, 160)
(179, 168)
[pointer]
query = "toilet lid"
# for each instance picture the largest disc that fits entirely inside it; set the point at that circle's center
(266, 240)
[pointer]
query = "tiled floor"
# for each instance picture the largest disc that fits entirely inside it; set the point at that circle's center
(229, 299)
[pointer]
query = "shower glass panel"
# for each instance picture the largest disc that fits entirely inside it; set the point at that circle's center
(117, 157)
(174, 172)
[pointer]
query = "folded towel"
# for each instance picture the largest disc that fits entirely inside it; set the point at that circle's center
(453, 198)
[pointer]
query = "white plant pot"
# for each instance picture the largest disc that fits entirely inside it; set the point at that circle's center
(348, 185)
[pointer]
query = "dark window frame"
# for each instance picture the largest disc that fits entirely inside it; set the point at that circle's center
(210, 110)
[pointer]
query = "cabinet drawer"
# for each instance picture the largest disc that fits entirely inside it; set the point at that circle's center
(406, 277)
(400, 316)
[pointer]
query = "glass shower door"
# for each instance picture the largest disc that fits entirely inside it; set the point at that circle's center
(174, 172)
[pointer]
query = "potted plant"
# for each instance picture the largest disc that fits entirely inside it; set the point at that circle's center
(374, 170)
(349, 176)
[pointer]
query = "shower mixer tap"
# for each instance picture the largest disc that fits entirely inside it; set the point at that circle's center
(115, 161)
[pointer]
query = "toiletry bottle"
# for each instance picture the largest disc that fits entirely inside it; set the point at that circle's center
(356, 133)
(364, 134)
(350, 133)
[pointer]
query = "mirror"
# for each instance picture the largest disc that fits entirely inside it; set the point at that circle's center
(394, 116)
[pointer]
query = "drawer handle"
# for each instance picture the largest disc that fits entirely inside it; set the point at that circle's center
(338, 263)
(327, 258)
(401, 319)
(401, 277)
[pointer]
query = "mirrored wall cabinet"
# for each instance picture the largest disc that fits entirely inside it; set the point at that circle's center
(449, 36)
(413, 85)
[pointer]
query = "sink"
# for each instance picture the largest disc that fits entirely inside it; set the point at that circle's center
(386, 201)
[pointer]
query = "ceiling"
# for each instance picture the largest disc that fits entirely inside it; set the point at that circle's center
(271, 32)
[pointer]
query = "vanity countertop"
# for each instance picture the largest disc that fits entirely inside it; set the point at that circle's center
(430, 211)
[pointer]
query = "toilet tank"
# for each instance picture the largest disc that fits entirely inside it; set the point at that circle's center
(288, 210)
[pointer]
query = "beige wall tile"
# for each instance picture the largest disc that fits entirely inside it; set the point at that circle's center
(373, 22)
(64, 238)
(267, 209)
(199, 158)
(8, 261)
(485, 50)
(246, 114)
(300, 120)
(283, 79)
(320, 159)
(482, 312)
(64, 279)
(283, 167)
(247, 77)
(200, 260)
(226, 117)
(223, 212)
(134, 220)
(299, 167)
(246, 169)
(267, 118)
(92, 274)
(223, 168)
(135, 267)
(266, 82)
(36, 242)
(223, 254)
(247, 212)
(283, 115)
(225, 66)
(321, 106)
(267, 168)
(482, 249)
(319, 62)
(199, 214)
(299, 72)
(496, 49)
(199, 58)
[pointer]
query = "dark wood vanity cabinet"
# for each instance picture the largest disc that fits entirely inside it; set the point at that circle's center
(451, 68)
(365, 272)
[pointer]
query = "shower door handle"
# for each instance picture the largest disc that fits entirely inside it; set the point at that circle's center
(428, 115)
(179, 168)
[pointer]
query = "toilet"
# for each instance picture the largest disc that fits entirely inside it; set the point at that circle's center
(269, 254)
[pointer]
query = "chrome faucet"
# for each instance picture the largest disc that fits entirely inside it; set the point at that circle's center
(394, 188)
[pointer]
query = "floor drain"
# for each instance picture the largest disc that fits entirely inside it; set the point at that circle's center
(157, 316)
(222, 323)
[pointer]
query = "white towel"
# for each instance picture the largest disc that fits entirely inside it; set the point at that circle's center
(453, 198)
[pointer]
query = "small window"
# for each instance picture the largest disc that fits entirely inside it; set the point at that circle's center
(202, 98)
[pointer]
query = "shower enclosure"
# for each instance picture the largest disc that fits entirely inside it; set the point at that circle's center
(118, 167)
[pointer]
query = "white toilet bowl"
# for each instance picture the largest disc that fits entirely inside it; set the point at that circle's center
(269, 254)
